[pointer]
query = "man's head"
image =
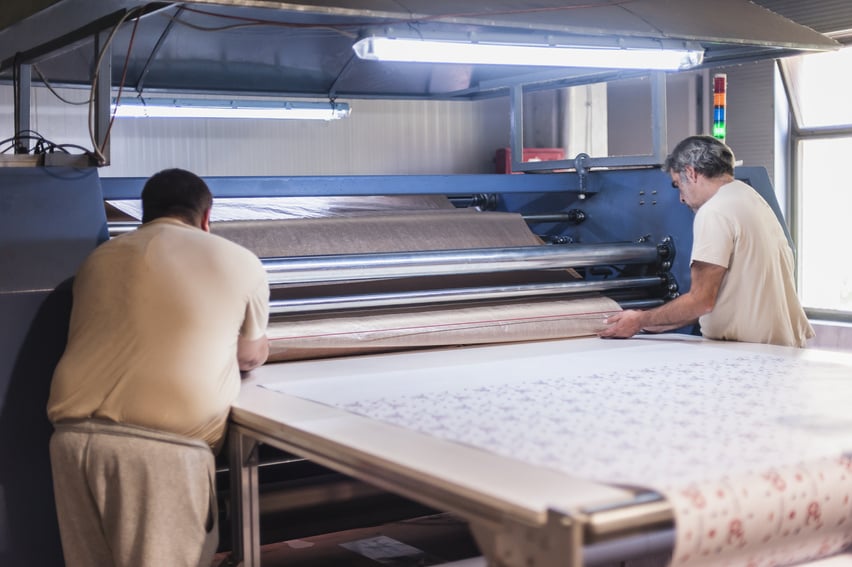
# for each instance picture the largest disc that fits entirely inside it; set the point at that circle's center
(179, 194)
(698, 166)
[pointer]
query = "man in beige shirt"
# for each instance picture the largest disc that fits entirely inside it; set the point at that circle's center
(742, 267)
(163, 320)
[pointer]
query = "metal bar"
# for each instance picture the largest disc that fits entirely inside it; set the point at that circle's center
(825, 132)
(611, 162)
(103, 96)
(572, 217)
(516, 127)
(49, 160)
(281, 307)
(659, 122)
(364, 185)
(439, 496)
(23, 90)
(349, 267)
(646, 512)
(547, 80)
(245, 499)
(21, 160)
(66, 41)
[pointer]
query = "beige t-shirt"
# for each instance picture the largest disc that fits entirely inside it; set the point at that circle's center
(757, 301)
(154, 326)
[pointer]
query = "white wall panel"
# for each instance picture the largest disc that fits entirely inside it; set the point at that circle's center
(379, 137)
(751, 113)
(629, 113)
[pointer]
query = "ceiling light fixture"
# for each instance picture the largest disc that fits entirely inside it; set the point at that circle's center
(213, 108)
(669, 55)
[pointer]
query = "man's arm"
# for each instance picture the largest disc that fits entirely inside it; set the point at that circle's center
(251, 354)
(683, 310)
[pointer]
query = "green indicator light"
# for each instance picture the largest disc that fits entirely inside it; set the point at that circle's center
(719, 130)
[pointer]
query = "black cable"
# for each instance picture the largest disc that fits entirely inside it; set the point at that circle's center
(42, 145)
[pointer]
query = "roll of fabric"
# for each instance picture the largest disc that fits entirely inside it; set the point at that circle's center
(387, 329)
(438, 326)
(397, 231)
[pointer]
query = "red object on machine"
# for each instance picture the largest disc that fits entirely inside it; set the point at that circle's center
(503, 159)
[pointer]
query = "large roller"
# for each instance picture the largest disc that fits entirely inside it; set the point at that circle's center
(446, 262)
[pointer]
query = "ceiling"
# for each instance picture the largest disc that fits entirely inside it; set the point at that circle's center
(304, 47)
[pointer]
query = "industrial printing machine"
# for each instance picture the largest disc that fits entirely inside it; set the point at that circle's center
(612, 236)
(410, 311)
(53, 217)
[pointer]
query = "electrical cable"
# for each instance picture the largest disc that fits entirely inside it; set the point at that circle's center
(42, 145)
(120, 85)
(54, 92)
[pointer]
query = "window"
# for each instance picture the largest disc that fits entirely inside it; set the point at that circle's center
(825, 258)
(820, 88)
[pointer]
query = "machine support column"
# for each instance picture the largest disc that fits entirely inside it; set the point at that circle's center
(659, 131)
(23, 89)
(103, 97)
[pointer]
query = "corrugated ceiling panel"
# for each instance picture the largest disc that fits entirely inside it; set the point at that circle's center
(305, 47)
(824, 16)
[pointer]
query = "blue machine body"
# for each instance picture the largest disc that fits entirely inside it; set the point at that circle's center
(50, 220)
(626, 205)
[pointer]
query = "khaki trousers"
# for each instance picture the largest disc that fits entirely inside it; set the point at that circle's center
(132, 497)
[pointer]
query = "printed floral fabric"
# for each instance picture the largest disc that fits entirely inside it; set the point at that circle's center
(749, 448)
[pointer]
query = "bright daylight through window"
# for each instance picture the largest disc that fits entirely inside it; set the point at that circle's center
(821, 87)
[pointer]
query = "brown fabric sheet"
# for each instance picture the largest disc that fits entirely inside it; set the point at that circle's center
(380, 232)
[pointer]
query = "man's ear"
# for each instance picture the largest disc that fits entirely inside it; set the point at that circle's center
(691, 174)
(205, 220)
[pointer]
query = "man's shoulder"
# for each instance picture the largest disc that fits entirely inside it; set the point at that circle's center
(726, 198)
(229, 247)
(736, 190)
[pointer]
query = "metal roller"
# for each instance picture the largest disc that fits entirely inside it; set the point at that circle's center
(352, 267)
(285, 307)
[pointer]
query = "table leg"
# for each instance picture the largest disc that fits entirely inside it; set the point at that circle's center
(245, 513)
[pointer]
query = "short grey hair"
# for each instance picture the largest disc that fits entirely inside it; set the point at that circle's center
(705, 154)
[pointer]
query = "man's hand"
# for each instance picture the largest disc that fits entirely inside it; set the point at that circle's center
(622, 325)
(679, 312)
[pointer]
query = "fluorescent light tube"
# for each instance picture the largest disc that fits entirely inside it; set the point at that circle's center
(211, 108)
(446, 51)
